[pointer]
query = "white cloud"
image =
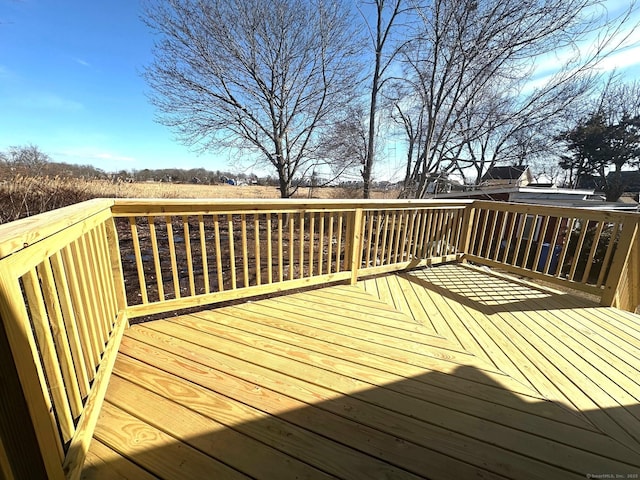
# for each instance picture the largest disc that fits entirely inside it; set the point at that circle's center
(79, 61)
(626, 54)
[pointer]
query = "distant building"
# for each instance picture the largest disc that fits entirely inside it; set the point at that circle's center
(630, 181)
(512, 175)
(516, 185)
(541, 195)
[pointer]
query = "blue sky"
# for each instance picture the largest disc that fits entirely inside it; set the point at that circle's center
(70, 83)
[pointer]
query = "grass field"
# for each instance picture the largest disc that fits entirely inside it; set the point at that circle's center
(22, 195)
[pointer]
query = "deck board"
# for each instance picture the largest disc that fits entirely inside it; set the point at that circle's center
(436, 373)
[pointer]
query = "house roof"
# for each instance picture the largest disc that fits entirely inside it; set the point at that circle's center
(630, 180)
(504, 173)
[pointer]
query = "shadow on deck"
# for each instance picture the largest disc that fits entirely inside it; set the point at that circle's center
(447, 372)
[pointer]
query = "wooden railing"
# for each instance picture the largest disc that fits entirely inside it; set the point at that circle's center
(62, 306)
(581, 249)
(71, 279)
(184, 253)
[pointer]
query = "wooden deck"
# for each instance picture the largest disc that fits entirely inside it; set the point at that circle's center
(447, 372)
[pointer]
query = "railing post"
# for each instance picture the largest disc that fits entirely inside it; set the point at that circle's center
(634, 274)
(620, 259)
(467, 230)
(356, 244)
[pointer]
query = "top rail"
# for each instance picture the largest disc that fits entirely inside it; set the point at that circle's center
(15, 236)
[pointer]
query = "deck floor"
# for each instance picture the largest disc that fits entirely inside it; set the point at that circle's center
(447, 372)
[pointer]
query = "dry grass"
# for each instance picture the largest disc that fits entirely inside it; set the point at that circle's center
(22, 196)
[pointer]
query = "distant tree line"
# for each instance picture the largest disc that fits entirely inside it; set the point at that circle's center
(29, 160)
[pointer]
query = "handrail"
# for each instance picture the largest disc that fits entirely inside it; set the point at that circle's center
(72, 278)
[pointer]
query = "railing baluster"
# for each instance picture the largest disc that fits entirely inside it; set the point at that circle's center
(507, 246)
(483, 230)
(172, 256)
(256, 239)
(385, 237)
(280, 250)
(218, 253)
(94, 289)
(291, 220)
(424, 235)
(577, 252)
(330, 246)
(138, 257)
(348, 238)
(339, 241)
(401, 227)
(448, 232)
(541, 236)
(108, 273)
(440, 233)
(607, 255)
(269, 250)
(493, 215)
(592, 251)
(301, 242)
(529, 242)
(565, 246)
(552, 245)
(189, 257)
(321, 243)
(232, 254)
(522, 221)
(203, 251)
(409, 240)
(245, 253)
(312, 228)
(378, 226)
(392, 237)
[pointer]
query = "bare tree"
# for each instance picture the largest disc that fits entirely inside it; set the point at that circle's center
(343, 147)
(25, 157)
(268, 76)
(389, 16)
(468, 79)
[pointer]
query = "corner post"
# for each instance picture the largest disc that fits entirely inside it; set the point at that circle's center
(620, 261)
(467, 231)
(356, 243)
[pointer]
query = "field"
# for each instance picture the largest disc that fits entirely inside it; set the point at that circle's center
(23, 195)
